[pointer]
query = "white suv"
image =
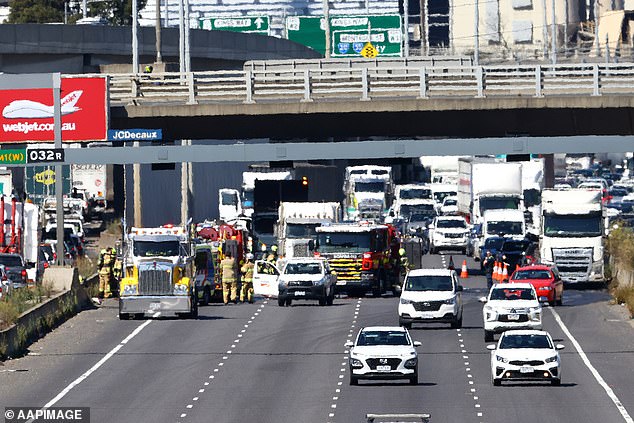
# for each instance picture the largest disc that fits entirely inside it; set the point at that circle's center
(431, 296)
(510, 306)
(448, 232)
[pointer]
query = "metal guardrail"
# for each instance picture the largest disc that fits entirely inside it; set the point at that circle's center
(397, 418)
(404, 82)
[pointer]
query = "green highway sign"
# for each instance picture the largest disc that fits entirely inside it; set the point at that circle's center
(10, 157)
(251, 24)
(310, 31)
(351, 43)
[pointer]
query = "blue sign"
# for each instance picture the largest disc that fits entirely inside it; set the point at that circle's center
(357, 47)
(343, 47)
(135, 134)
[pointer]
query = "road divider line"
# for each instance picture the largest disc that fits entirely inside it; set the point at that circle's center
(617, 402)
(97, 365)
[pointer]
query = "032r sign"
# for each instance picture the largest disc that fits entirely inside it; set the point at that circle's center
(27, 114)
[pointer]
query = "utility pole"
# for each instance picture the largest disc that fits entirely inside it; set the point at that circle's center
(476, 35)
(181, 37)
(59, 182)
(184, 189)
(136, 180)
(545, 30)
(188, 61)
(326, 7)
(423, 32)
(159, 59)
(406, 28)
(553, 29)
(596, 27)
(135, 38)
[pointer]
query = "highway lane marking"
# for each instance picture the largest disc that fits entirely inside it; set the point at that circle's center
(100, 363)
(617, 402)
(469, 375)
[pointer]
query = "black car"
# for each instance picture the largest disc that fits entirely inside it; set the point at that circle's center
(15, 268)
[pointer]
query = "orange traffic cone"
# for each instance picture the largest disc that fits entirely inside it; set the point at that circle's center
(451, 266)
(500, 271)
(464, 274)
(496, 267)
(505, 273)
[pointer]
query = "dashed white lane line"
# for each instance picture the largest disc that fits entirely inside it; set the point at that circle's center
(343, 369)
(224, 357)
(470, 382)
(100, 363)
(617, 402)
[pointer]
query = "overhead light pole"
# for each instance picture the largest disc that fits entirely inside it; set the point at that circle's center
(326, 7)
(135, 38)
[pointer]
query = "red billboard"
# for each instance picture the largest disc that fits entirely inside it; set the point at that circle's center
(27, 114)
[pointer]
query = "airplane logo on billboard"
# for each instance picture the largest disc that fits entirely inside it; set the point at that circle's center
(23, 109)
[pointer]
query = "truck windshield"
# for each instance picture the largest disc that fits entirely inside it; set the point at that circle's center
(303, 269)
(296, 230)
(229, 199)
(156, 249)
(415, 194)
(504, 228)
(493, 243)
(369, 186)
(439, 196)
(532, 197)
(429, 283)
(336, 242)
(572, 225)
(497, 203)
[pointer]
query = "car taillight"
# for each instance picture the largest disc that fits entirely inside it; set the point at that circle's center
(23, 273)
(46, 265)
(54, 256)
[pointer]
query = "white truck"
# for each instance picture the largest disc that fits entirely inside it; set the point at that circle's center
(21, 227)
(297, 223)
(573, 233)
(507, 223)
(367, 191)
(442, 169)
(532, 186)
(229, 204)
(248, 186)
(487, 185)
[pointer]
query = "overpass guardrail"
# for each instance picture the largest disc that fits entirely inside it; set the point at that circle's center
(366, 84)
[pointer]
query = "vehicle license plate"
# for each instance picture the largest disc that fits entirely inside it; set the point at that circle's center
(513, 316)
(299, 293)
(383, 368)
(426, 315)
(526, 369)
(155, 306)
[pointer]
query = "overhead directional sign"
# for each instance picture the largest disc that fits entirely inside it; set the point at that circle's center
(348, 30)
(135, 134)
(250, 24)
(14, 156)
(45, 155)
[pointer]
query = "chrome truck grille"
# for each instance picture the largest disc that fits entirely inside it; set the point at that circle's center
(155, 281)
(574, 264)
(348, 269)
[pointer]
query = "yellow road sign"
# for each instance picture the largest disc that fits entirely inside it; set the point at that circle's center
(369, 51)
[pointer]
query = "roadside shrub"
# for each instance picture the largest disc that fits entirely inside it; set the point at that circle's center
(624, 294)
(620, 244)
(86, 266)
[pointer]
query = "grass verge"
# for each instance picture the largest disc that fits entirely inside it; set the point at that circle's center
(20, 300)
(621, 250)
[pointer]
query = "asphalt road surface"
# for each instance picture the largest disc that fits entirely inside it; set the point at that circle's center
(269, 364)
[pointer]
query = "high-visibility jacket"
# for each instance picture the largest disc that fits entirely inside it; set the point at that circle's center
(247, 271)
(227, 265)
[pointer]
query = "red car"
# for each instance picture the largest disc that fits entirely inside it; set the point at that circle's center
(545, 280)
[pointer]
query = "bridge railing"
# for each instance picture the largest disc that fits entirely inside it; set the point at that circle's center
(412, 82)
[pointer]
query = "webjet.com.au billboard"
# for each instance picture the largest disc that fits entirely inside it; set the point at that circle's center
(27, 114)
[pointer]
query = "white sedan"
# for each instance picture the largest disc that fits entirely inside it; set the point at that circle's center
(510, 306)
(383, 352)
(525, 355)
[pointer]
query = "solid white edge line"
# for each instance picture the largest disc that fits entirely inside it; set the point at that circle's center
(96, 366)
(593, 370)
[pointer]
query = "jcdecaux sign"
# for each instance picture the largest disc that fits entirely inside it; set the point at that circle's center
(135, 134)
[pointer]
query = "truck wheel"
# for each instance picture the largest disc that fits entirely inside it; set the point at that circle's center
(330, 298)
(322, 301)
(124, 316)
(206, 299)
(289, 301)
(353, 380)
(280, 301)
(488, 336)
(193, 314)
(457, 324)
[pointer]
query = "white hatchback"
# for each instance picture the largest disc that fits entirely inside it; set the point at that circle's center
(525, 355)
(431, 296)
(383, 352)
(510, 306)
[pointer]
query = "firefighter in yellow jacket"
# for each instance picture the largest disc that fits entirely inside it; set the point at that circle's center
(229, 282)
(106, 264)
(246, 293)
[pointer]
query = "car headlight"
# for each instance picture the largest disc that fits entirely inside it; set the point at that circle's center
(406, 301)
(488, 308)
(551, 359)
(535, 310)
(357, 364)
(412, 362)
(451, 300)
(180, 289)
(130, 290)
(501, 359)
